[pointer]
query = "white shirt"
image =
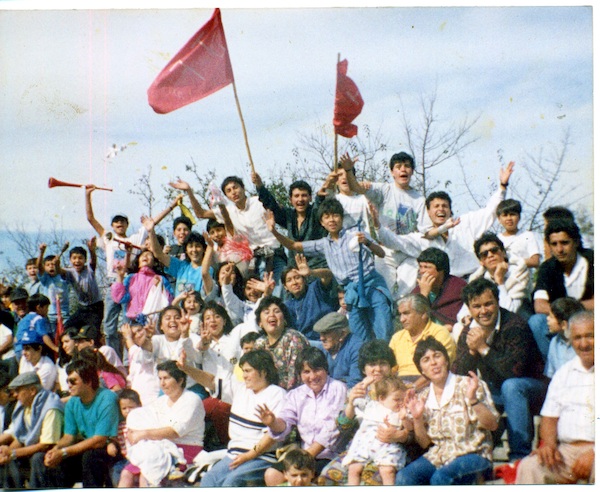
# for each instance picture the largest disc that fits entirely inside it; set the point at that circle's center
(115, 251)
(5, 332)
(459, 246)
(250, 222)
(355, 207)
(45, 368)
(570, 397)
(574, 283)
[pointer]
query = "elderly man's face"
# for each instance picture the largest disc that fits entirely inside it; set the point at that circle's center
(25, 394)
(332, 340)
(582, 339)
(412, 320)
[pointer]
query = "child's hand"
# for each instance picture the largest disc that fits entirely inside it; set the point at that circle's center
(43, 247)
(148, 223)
(91, 244)
(226, 274)
(209, 242)
(180, 185)
(112, 450)
(256, 180)
(506, 173)
(302, 265)
(346, 162)
(362, 239)
(269, 283)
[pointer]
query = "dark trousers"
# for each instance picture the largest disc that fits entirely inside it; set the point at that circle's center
(14, 474)
(92, 468)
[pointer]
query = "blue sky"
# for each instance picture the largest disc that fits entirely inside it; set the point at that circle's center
(72, 83)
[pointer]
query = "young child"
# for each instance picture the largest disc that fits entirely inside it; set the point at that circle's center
(298, 468)
(82, 278)
(36, 320)
(182, 226)
(232, 248)
(135, 289)
(54, 286)
(247, 343)
(560, 350)
(342, 301)
(128, 400)
(365, 448)
(522, 244)
(33, 285)
(191, 303)
(371, 314)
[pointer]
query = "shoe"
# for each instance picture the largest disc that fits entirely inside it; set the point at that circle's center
(507, 472)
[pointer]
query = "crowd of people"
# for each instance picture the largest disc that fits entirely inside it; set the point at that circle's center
(368, 337)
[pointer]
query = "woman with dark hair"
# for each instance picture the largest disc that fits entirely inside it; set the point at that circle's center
(278, 337)
(376, 361)
(311, 407)
(156, 431)
(110, 376)
(66, 349)
(172, 342)
(250, 450)
(453, 419)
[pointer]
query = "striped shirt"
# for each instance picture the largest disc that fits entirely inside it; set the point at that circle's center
(245, 429)
(342, 262)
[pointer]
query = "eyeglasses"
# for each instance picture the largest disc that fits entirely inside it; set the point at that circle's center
(72, 381)
(484, 254)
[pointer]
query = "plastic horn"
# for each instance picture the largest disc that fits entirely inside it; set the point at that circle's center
(52, 182)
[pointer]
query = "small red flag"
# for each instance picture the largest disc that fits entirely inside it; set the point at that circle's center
(348, 103)
(200, 68)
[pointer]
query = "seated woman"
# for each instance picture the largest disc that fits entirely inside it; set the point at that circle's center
(251, 450)
(311, 407)
(156, 431)
(375, 361)
(455, 416)
(284, 343)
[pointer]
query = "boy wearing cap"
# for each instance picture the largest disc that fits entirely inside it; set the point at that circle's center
(36, 426)
(33, 360)
(35, 321)
(116, 254)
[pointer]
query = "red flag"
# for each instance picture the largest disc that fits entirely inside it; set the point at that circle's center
(348, 103)
(200, 68)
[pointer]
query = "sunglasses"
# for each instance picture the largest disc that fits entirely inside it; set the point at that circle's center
(484, 254)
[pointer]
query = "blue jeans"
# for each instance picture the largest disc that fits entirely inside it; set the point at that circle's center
(374, 321)
(279, 265)
(463, 470)
(221, 476)
(538, 324)
(112, 310)
(521, 398)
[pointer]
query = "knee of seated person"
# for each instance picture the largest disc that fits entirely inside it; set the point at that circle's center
(509, 388)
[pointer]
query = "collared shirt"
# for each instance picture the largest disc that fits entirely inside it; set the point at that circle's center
(342, 262)
(458, 247)
(314, 415)
(250, 222)
(570, 397)
(559, 353)
(403, 346)
(574, 283)
(452, 424)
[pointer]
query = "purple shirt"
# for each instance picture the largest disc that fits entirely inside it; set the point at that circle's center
(314, 415)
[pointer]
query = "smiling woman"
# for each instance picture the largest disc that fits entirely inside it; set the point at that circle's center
(284, 343)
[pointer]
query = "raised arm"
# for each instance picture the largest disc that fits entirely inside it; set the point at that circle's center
(161, 215)
(207, 280)
(371, 245)
(157, 251)
(40, 259)
(200, 212)
(91, 244)
(323, 274)
(89, 211)
(284, 240)
(347, 164)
